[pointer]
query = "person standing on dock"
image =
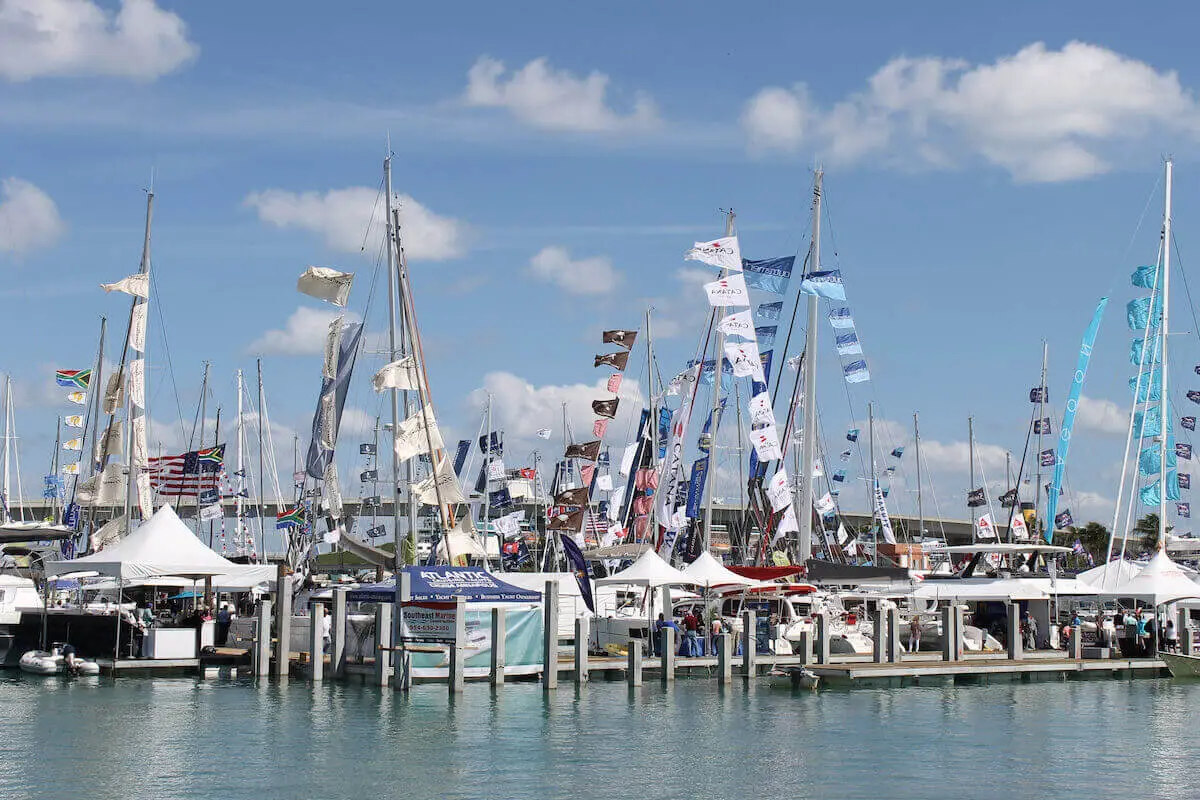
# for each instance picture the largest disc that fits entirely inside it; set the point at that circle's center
(224, 618)
(691, 632)
(914, 633)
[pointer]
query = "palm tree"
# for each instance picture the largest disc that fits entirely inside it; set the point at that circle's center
(1147, 530)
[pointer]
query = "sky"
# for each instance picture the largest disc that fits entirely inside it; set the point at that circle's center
(990, 173)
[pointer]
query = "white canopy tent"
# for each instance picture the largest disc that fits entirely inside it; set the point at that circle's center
(1161, 581)
(1111, 574)
(160, 546)
(649, 571)
(970, 589)
(706, 571)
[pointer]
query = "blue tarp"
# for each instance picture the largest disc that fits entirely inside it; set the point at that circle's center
(445, 584)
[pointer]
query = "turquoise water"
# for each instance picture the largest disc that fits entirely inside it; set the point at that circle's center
(155, 738)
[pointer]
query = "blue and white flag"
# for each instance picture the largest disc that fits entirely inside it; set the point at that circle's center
(848, 344)
(1188, 423)
(1185, 480)
(758, 387)
(1152, 494)
(696, 487)
(771, 310)
(898, 452)
(824, 284)
(1184, 510)
(770, 274)
(839, 476)
(852, 435)
(1184, 451)
(840, 318)
(1068, 421)
(856, 372)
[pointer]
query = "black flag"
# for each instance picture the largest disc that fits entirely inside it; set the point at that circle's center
(976, 498)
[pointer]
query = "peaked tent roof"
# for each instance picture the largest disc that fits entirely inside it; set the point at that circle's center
(162, 545)
(649, 570)
(1111, 574)
(707, 571)
(1162, 580)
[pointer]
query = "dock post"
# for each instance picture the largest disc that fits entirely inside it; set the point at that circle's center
(893, 636)
(283, 623)
(262, 641)
(880, 633)
(805, 647)
(1076, 644)
(401, 658)
(1183, 629)
(499, 633)
(667, 662)
(383, 643)
(949, 633)
(724, 659)
(634, 673)
(665, 600)
(822, 653)
(337, 644)
(316, 640)
(582, 634)
(550, 636)
(1014, 632)
(458, 654)
(749, 643)
(959, 630)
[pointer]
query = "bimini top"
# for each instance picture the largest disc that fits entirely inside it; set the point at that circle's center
(445, 584)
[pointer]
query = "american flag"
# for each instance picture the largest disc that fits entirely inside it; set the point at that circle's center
(188, 474)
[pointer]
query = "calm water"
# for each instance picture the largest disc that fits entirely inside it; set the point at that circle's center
(182, 739)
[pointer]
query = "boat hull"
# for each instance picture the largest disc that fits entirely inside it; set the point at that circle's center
(1181, 666)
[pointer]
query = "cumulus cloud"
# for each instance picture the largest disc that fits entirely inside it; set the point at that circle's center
(28, 217)
(302, 335)
(78, 38)
(556, 100)
(1102, 416)
(593, 275)
(1040, 114)
(520, 408)
(1090, 507)
(346, 218)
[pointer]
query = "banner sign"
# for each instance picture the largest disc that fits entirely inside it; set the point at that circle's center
(426, 621)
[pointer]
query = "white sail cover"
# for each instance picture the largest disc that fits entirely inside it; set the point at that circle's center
(111, 442)
(331, 497)
(326, 284)
(114, 393)
(145, 495)
(441, 486)
(109, 533)
(137, 285)
(400, 374)
(138, 448)
(418, 434)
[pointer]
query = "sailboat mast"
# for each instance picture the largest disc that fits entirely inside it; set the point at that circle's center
(134, 415)
(489, 457)
(241, 475)
(652, 426)
(874, 480)
(971, 459)
(804, 512)
(393, 355)
(718, 374)
(1037, 489)
(1163, 406)
(203, 412)
(262, 492)
(920, 507)
(7, 445)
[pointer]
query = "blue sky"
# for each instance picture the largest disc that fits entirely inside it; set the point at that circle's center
(986, 172)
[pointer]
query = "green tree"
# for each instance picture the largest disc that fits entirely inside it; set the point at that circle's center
(1146, 529)
(1092, 536)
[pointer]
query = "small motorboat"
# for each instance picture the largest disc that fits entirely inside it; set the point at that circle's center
(59, 660)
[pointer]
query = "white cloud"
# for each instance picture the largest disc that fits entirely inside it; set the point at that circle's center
(593, 275)
(1090, 507)
(28, 217)
(1041, 114)
(1102, 416)
(78, 37)
(555, 100)
(303, 334)
(521, 408)
(352, 218)
(956, 456)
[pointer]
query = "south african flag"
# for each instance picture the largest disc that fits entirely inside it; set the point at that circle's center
(289, 517)
(73, 377)
(213, 457)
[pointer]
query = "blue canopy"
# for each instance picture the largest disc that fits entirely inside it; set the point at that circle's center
(444, 584)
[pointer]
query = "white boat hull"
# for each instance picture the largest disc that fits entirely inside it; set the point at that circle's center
(41, 662)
